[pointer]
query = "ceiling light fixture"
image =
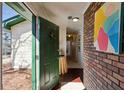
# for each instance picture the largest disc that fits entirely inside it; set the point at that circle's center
(75, 19)
(69, 35)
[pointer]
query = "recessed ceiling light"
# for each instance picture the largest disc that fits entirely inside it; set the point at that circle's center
(69, 35)
(75, 19)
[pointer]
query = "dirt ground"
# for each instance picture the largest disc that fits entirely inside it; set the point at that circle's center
(16, 79)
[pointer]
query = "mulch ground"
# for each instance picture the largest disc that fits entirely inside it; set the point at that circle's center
(16, 79)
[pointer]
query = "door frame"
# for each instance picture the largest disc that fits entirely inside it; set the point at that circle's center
(34, 32)
(35, 83)
(33, 52)
(33, 46)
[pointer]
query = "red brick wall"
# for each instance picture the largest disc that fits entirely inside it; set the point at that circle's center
(101, 70)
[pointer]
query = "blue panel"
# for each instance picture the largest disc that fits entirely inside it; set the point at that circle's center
(110, 21)
(114, 41)
(114, 29)
(113, 35)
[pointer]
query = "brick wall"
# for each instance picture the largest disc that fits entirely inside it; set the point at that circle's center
(101, 70)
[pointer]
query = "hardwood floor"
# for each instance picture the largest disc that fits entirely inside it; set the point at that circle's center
(73, 73)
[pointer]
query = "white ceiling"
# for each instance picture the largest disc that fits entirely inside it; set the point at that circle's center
(58, 12)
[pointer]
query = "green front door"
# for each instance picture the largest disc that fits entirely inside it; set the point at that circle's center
(49, 61)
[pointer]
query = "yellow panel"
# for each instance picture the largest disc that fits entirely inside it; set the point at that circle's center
(99, 21)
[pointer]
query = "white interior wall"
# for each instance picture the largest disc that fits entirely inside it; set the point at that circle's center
(62, 39)
(80, 54)
(22, 45)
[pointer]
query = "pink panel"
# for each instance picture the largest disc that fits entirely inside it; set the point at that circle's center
(102, 40)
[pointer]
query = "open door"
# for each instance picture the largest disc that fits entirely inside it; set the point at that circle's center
(49, 55)
(49, 61)
(46, 60)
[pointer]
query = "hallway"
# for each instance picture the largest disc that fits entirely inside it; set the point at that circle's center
(73, 64)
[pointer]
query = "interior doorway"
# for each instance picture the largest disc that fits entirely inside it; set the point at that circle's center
(16, 47)
(72, 49)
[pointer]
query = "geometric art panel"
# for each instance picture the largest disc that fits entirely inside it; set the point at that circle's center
(107, 28)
